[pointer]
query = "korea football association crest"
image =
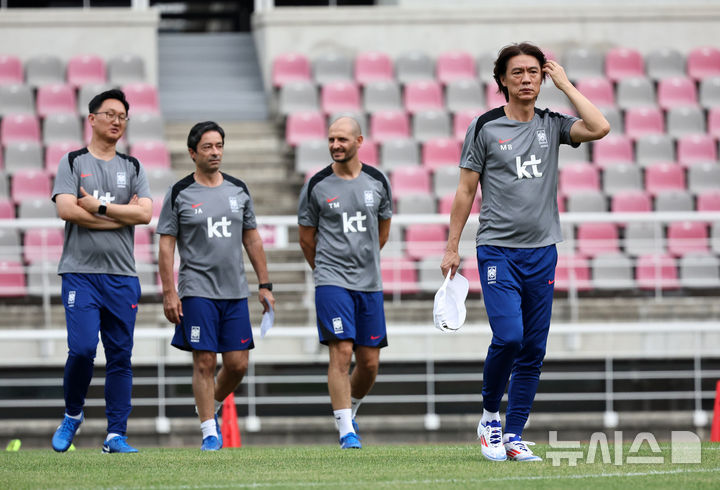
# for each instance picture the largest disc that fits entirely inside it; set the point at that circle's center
(195, 333)
(492, 274)
(369, 198)
(234, 207)
(542, 138)
(121, 180)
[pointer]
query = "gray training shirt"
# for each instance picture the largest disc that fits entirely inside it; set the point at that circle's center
(208, 223)
(346, 215)
(87, 251)
(518, 166)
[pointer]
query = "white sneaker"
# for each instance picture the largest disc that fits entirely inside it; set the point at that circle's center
(517, 450)
(491, 445)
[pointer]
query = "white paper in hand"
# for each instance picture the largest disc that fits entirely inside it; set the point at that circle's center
(268, 319)
(449, 308)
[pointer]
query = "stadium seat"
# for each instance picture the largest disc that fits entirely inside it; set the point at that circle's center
(402, 152)
(552, 98)
(86, 93)
(631, 201)
(696, 148)
(685, 120)
(430, 276)
(331, 67)
(664, 176)
(654, 148)
(709, 94)
(414, 65)
(578, 177)
(614, 117)
(636, 92)
(394, 247)
(16, 99)
(445, 181)
(469, 270)
(55, 151)
(424, 240)
(42, 278)
(287, 67)
(340, 96)
(43, 245)
(44, 69)
(493, 98)
(143, 245)
(461, 122)
(18, 128)
(455, 65)
(399, 276)
(465, 95)
(703, 177)
(142, 97)
(298, 96)
(664, 63)
(572, 273)
(373, 66)
(700, 271)
(160, 180)
(36, 208)
(152, 154)
(708, 200)
(687, 236)
(485, 64)
(23, 156)
(640, 121)
(656, 271)
(678, 200)
(613, 271)
(715, 237)
(56, 99)
(386, 125)
(12, 279)
(703, 62)
(410, 180)
(86, 68)
(642, 238)
(445, 204)
(368, 153)
(676, 91)
(441, 152)
(623, 63)
(580, 63)
(146, 127)
(7, 208)
(61, 127)
(11, 70)
(597, 238)
(622, 177)
(586, 201)
(429, 125)
(10, 243)
(382, 96)
(423, 96)
(29, 184)
(598, 90)
(128, 68)
(415, 203)
(569, 155)
(713, 124)
(612, 149)
(311, 153)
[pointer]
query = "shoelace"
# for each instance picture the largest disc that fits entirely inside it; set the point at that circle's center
(523, 446)
(66, 428)
(121, 444)
(495, 435)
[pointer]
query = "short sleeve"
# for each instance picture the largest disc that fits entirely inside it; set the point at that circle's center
(168, 220)
(385, 209)
(308, 214)
(472, 156)
(142, 187)
(249, 221)
(566, 122)
(65, 181)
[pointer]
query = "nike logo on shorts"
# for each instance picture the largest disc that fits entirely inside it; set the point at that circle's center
(374, 337)
(551, 281)
(245, 341)
(133, 306)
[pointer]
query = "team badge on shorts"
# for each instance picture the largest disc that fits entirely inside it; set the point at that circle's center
(195, 333)
(542, 138)
(491, 274)
(337, 325)
(71, 299)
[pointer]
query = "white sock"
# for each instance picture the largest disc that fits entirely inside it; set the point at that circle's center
(489, 417)
(111, 435)
(208, 428)
(76, 417)
(507, 436)
(343, 419)
(355, 404)
(218, 406)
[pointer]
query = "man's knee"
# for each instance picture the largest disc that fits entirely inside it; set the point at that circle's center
(341, 354)
(237, 367)
(204, 363)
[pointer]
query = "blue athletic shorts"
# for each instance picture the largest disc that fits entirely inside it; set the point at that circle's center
(215, 325)
(343, 314)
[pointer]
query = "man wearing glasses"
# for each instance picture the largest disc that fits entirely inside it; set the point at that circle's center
(101, 194)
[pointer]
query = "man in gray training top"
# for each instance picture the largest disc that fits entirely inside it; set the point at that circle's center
(210, 216)
(512, 151)
(101, 194)
(344, 220)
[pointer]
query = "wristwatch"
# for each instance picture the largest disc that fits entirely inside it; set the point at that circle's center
(102, 209)
(265, 285)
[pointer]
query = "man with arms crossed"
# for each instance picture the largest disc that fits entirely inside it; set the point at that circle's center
(210, 216)
(344, 220)
(101, 194)
(512, 151)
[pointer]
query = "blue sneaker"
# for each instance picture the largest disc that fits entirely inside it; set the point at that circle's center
(211, 443)
(118, 444)
(350, 441)
(355, 427)
(219, 432)
(63, 437)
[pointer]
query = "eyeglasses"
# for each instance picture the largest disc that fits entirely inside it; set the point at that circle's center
(111, 116)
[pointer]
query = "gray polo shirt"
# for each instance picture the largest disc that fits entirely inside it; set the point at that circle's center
(346, 215)
(208, 223)
(518, 166)
(115, 181)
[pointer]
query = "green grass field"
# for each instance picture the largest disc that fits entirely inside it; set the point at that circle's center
(422, 466)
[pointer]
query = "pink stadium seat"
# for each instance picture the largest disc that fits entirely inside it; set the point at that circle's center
(598, 90)
(152, 154)
(340, 96)
(676, 92)
(41, 245)
(713, 123)
(445, 204)
(56, 99)
(399, 275)
(640, 121)
(290, 67)
(494, 98)
(55, 151)
(410, 180)
(561, 203)
(624, 63)
(703, 62)
(302, 126)
(423, 240)
(597, 238)
(653, 271)
(572, 272)
(19, 128)
(696, 148)
(84, 69)
(612, 149)
(143, 245)
(30, 184)
(12, 279)
(441, 152)
(11, 70)
(368, 153)
(469, 270)
(455, 65)
(687, 236)
(663, 177)
(142, 97)
(708, 200)
(577, 177)
(7, 209)
(385, 125)
(373, 67)
(631, 201)
(461, 122)
(423, 95)
(157, 206)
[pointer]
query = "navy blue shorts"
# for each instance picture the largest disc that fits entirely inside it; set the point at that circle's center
(343, 314)
(215, 325)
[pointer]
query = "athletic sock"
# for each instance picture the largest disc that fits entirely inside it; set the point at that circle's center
(343, 419)
(489, 417)
(76, 417)
(208, 428)
(355, 404)
(111, 435)
(507, 437)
